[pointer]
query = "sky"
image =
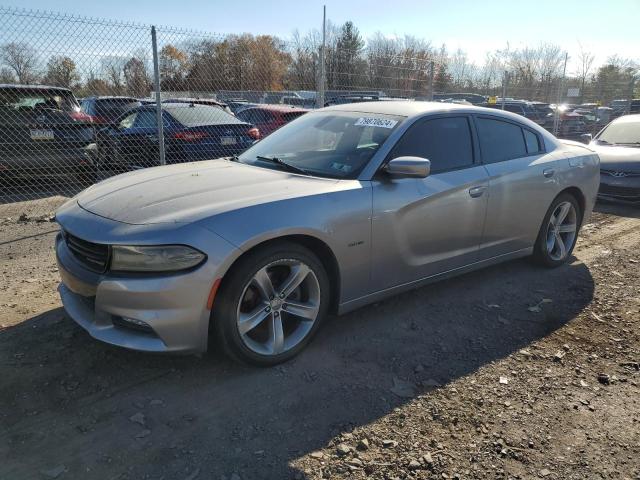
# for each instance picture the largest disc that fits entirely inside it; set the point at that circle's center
(601, 27)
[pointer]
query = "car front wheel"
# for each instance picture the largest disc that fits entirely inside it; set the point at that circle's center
(271, 304)
(559, 232)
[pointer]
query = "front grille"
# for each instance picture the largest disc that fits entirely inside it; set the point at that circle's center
(621, 192)
(94, 256)
(619, 173)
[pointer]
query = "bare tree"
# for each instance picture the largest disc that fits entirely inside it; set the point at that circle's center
(585, 62)
(61, 72)
(22, 59)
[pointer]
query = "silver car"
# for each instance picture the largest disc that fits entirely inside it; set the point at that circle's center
(618, 146)
(342, 207)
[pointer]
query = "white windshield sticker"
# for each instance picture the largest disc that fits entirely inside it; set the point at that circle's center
(375, 122)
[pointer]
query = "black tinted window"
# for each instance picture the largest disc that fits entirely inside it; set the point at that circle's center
(446, 142)
(500, 140)
(531, 139)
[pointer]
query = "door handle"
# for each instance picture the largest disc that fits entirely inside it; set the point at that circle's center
(548, 172)
(475, 192)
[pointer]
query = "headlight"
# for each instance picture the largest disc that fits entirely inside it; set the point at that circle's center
(161, 258)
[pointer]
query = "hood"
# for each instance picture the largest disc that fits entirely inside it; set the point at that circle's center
(188, 192)
(625, 159)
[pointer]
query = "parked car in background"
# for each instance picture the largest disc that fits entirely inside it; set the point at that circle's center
(200, 101)
(191, 132)
(238, 105)
(525, 109)
(618, 146)
(43, 132)
(268, 118)
(340, 208)
(342, 99)
(106, 110)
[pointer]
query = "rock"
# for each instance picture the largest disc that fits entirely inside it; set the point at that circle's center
(343, 449)
(559, 355)
(363, 444)
(414, 464)
(604, 379)
(355, 462)
(427, 458)
(431, 383)
(137, 418)
(504, 380)
(317, 455)
(583, 383)
(143, 433)
(387, 443)
(545, 472)
(54, 472)
(403, 389)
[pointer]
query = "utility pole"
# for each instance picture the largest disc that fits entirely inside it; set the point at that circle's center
(322, 80)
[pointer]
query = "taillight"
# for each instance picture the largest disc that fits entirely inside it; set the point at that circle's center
(81, 117)
(254, 133)
(190, 136)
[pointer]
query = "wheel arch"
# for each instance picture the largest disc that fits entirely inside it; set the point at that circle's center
(316, 245)
(576, 193)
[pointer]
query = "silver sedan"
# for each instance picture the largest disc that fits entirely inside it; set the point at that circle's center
(342, 207)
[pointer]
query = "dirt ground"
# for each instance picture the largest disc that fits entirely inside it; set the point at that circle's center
(513, 372)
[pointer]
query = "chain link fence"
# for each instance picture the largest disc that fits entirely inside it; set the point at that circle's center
(81, 99)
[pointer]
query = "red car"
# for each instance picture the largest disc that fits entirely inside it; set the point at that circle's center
(268, 118)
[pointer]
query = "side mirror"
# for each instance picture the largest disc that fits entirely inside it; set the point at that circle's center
(415, 167)
(586, 138)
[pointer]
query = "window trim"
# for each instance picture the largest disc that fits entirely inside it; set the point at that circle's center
(475, 156)
(541, 144)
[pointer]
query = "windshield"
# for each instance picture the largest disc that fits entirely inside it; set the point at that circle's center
(621, 133)
(327, 144)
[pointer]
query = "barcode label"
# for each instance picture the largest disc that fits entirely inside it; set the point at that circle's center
(375, 122)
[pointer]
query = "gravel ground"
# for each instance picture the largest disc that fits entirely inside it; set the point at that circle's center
(510, 372)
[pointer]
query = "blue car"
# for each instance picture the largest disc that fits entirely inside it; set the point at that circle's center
(191, 132)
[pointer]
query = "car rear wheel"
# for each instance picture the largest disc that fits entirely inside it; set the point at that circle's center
(271, 304)
(559, 232)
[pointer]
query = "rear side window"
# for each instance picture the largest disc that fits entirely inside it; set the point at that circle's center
(500, 140)
(532, 142)
(445, 142)
(115, 106)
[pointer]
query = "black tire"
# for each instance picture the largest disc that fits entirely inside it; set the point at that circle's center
(541, 254)
(224, 314)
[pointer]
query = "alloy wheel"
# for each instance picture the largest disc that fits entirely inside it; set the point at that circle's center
(278, 307)
(561, 231)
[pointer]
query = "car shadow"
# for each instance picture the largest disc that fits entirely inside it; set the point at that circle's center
(618, 209)
(70, 401)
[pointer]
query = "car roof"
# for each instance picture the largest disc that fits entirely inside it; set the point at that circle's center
(33, 87)
(628, 118)
(111, 97)
(410, 108)
(277, 107)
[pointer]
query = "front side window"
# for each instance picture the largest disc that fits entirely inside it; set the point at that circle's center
(329, 144)
(445, 142)
(500, 141)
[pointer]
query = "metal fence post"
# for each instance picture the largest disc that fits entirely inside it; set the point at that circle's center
(631, 90)
(322, 79)
(561, 85)
(505, 80)
(156, 81)
(432, 68)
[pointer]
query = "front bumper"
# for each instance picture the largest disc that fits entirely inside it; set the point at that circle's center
(626, 189)
(173, 306)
